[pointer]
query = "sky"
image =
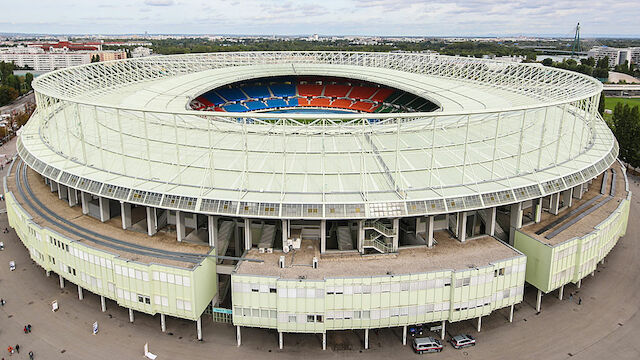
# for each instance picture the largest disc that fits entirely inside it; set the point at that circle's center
(326, 17)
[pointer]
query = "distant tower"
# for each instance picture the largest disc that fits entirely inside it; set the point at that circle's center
(575, 48)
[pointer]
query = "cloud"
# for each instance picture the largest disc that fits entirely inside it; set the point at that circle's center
(159, 2)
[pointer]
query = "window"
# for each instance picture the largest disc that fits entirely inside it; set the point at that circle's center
(311, 318)
(319, 318)
(272, 290)
(144, 299)
(292, 318)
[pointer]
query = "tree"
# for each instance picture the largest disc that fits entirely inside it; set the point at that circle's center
(7, 94)
(6, 69)
(590, 61)
(547, 62)
(603, 63)
(28, 79)
(626, 128)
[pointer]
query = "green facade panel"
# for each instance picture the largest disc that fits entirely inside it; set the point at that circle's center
(149, 288)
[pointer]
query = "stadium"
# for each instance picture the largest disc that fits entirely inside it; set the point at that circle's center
(308, 192)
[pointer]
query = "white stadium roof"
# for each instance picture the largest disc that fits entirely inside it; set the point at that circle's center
(504, 133)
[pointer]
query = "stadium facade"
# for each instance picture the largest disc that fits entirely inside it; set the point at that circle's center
(420, 188)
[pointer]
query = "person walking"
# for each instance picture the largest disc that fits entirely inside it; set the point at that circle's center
(579, 301)
(18, 348)
(29, 327)
(25, 329)
(10, 349)
(30, 355)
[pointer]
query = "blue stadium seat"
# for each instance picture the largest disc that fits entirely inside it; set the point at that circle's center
(235, 108)
(283, 90)
(276, 103)
(293, 102)
(257, 91)
(213, 98)
(231, 94)
(255, 105)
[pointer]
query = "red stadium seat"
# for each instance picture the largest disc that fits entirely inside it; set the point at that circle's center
(303, 101)
(382, 94)
(362, 106)
(204, 101)
(310, 90)
(336, 90)
(362, 92)
(341, 103)
(320, 102)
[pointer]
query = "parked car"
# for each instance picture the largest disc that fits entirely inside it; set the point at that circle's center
(416, 330)
(462, 341)
(427, 344)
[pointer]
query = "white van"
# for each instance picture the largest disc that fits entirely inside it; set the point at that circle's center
(427, 344)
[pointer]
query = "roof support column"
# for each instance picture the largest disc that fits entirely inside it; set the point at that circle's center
(152, 221)
(163, 323)
(212, 225)
(404, 335)
(85, 198)
(73, 197)
(103, 304)
(515, 221)
(280, 340)
(479, 323)
(442, 330)
(429, 239)
(80, 294)
(285, 233)
(361, 236)
(53, 185)
(62, 190)
(125, 213)
(492, 221)
(180, 228)
(537, 217)
(560, 292)
(578, 191)
(248, 236)
(511, 313)
(366, 339)
(130, 315)
(567, 197)
(396, 233)
(199, 328)
(323, 244)
(554, 205)
(105, 213)
(238, 335)
(539, 300)
(461, 224)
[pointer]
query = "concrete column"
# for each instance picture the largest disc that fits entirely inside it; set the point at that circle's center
(539, 300)
(53, 185)
(61, 281)
(366, 339)
(360, 240)
(515, 221)
(152, 221)
(104, 209)
(579, 283)
(61, 188)
(80, 295)
(285, 233)
(248, 236)
(511, 313)
(47, 272)
(180, 228)
(538, 211)
(554, 205)
(578, 191)
(103, 304)
(593, 273)
(560, 292)
(430, 231)
(492, 220)
(479, 323)
(130, 315)
(73, 197)
(163, 323)
(404, 335)
(396, 233)
(125, 214)
(280, 340)
(238, 336)
(461, 225)
(323, 243)
(324, 341)
(212, 224)
(602, 262)
(85, 198)
(567, 197)
(442, 330)
(236, 238)
(199, 328)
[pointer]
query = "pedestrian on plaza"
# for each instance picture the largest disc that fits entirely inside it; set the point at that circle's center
(29, 327)
(25, 329)
(2, 302)
(18, 348)
(30, 355)
(571, 297)
(10, 350)
(579, 301)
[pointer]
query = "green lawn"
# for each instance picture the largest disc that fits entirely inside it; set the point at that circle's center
(611, 102)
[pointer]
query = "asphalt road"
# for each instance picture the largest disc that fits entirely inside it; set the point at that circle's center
(18, 104)
(603, 327)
